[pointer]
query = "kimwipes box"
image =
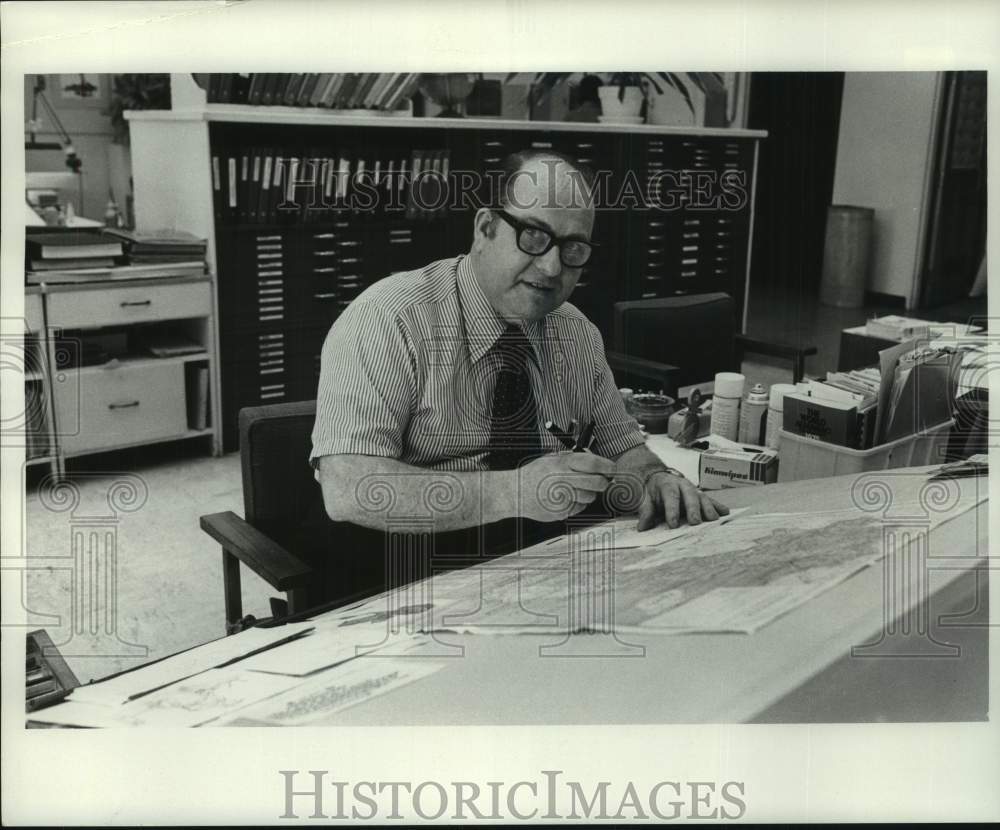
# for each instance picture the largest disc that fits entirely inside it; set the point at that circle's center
(718, 468)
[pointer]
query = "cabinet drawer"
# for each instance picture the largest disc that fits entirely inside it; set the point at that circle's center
(131, 403)
(134, 304)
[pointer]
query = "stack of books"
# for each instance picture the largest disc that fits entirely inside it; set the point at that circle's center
(71, 251)
(163, 247)
(347, 91)
(112, 254)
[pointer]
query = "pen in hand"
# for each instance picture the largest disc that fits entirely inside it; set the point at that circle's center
(585, 439)
(563, 437)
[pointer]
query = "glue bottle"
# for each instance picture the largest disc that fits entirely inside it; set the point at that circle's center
(726, 404)
(753, 414)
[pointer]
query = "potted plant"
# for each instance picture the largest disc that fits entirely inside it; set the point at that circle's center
(135, 92)
(130, 92)
(622, 97)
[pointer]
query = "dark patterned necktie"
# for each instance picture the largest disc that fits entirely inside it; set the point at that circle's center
(514, 434)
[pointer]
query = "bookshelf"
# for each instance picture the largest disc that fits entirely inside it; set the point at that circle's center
(113, 374)
(283, 277)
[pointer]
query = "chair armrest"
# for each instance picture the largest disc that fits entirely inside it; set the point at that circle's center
(774, 349)
(662, 373)
(260, 553)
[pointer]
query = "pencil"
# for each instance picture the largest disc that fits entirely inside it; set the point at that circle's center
(585, 437)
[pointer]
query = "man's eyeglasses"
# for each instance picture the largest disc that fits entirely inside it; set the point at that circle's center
(573, 253)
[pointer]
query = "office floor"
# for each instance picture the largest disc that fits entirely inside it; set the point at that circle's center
(168, 579)
(167, 585)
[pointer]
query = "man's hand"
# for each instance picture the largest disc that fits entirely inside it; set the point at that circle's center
(559, 485)
(669, 497)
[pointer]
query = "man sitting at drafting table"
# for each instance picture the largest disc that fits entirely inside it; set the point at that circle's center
(436, 385)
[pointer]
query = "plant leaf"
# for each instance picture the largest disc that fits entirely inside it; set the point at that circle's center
(652, 80)
(679, 86)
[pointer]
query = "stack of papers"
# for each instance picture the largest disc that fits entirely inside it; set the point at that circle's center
(894, 327)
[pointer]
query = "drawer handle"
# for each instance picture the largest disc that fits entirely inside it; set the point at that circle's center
(123, 405)
(326, 296)
(133, 303)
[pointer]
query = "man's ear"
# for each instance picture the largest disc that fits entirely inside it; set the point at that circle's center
(485, 224)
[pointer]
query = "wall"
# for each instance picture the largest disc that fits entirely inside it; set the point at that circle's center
(884, 157)
(90, 129)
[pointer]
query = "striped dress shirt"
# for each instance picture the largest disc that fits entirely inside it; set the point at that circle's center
(408, 372)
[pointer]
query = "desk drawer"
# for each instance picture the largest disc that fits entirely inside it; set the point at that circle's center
(134, 304)
(129, 404)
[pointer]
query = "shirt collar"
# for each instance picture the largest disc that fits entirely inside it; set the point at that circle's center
(483, 326)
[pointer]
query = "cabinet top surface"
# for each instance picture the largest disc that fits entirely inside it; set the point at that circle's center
(303, 115)
(106, 285)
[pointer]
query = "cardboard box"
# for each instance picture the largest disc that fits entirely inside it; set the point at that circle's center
(718, 469)
(823, 420)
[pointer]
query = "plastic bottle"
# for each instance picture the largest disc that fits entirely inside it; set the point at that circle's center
(753, 415)
(775, 412)
(726, 404)
(111, 212)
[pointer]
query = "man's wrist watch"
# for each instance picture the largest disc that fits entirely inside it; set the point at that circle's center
(663, 469)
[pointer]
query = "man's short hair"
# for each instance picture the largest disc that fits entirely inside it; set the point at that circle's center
(515, 162)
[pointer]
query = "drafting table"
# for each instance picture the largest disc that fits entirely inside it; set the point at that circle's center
(798, 668)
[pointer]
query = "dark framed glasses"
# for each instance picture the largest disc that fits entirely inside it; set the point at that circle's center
(573, 253)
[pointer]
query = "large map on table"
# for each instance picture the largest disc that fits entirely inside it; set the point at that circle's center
(734, 576)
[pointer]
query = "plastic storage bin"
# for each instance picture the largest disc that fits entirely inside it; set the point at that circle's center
(800, 457)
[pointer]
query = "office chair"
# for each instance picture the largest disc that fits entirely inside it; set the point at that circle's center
(696, 333)
(288, 540)
(286, 537)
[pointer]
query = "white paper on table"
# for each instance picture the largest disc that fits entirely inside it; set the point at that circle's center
(188, 663)
(207, 696)
(327, 646)
(81, 713)
(740, 610)
(624, 533)
(317, 699)
(305, 655)
(191, 702)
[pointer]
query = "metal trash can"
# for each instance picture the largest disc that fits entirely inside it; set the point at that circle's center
(846, 252)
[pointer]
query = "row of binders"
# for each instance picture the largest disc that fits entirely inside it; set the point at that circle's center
(343, 90)
(912, 389)
(260, 186)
